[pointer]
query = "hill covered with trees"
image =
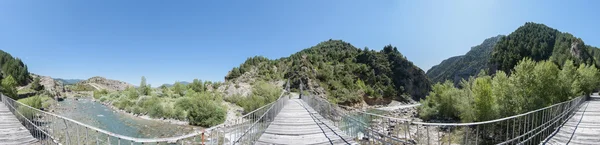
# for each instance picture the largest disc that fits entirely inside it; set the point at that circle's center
(344, 73)
(464, 66)
(11, 66)
(540, 42)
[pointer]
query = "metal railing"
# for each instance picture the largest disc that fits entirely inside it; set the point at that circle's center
(370, 128)
(49, 128)
(248, 128)
(527, 128)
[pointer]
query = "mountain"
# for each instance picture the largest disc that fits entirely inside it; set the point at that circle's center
(341, 72)
(463, 66)
(183, 83)
(68, 81)
(540, 42)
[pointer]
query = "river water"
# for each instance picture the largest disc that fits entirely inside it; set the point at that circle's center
(96, 114)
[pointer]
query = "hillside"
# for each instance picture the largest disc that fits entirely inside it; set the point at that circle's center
(540, 42)
(11, 66)
(341, 72)
(463, 66)
(100, 83)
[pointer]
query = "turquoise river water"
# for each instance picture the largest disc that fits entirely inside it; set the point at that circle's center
(96, 114)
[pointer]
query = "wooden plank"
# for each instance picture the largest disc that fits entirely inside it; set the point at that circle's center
(12, 132)
(583, 127)
(295, 125)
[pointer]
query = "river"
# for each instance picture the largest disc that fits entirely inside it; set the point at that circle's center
(96, 114)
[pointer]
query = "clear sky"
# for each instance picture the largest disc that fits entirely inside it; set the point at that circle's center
(169, 41)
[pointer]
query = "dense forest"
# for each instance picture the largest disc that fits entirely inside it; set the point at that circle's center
(540, 42)
(464, 66)
(346, 73)
(14, 67)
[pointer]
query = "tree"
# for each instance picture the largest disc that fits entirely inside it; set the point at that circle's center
(485, 103)
(524, 81)
(197, 86)
(35, 85)
(144, 88)
(545, 90)
(178, 88)
(502, 90)
(567, 76)
(9, 85)
(588, 79)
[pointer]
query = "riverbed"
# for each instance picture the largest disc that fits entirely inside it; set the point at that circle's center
(96, 114)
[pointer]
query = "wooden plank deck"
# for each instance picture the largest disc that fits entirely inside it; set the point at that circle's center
(12, 132)
(583, 128)
(295, 125)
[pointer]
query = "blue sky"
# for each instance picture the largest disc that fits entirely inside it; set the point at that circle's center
(169, 41)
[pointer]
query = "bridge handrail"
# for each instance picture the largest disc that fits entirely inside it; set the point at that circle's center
(140, 140)
(217, 131)
(470, 123)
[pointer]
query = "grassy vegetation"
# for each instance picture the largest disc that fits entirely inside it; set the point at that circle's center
(38, 102)
(25, 91)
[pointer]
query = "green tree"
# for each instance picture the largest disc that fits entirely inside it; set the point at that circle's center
(178, 88)
(524, 81)
(35, 85)
(197, 86)
(144, 88)
(588, 79)
(485, 103)
(9, 85)
(546, 88)
(502, 90)
(567, 76)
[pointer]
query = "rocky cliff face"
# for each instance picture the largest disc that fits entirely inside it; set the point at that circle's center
(100, 83)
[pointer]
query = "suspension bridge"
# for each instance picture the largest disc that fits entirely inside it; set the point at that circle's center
(313, 120)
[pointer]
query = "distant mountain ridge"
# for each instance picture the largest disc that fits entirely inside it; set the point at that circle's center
(68, 81)
(182, 82)
(461, 67)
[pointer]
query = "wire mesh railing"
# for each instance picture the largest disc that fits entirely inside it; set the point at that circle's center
(527, 128)
(366, 128)
(248, 128)
(49, 128)
(369, 128)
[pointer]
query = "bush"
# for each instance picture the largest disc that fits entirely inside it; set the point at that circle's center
(206, 113)
(262, 94)
(156, 111)
(35, 102)
(98, 94)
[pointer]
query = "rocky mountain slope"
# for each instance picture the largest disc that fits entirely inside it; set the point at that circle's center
(463, 66)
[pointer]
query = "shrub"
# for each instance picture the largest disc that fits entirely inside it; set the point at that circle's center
(156, 110)
(206, 113)
(100, 93)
